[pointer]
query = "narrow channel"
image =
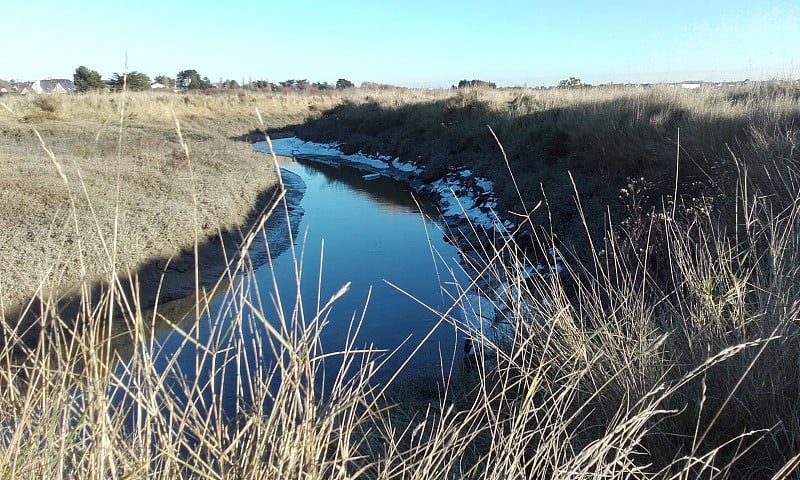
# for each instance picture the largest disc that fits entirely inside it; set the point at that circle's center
(375, 236)
(371, 234)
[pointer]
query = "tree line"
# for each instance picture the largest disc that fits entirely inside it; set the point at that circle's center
(86, 80)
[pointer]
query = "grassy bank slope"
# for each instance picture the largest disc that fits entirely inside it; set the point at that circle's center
(670, 351)
(603, 136)
(130, 193)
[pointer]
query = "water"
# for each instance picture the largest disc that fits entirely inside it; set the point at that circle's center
(368, 234)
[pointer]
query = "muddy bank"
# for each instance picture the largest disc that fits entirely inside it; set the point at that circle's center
(175, 277)
(68, 220)
(467, 202)
(205, 270)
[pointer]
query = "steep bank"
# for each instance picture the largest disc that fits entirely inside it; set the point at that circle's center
(598, 142)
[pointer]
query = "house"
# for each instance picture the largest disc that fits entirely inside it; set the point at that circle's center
(691, 85)
(157, 86)
(50, 87)
(6, 87)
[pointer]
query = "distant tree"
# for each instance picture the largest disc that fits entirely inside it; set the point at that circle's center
(261, 85)
(231, 84)
(322, 86)
(135, 81)
(191, 80)
(476, 84)
(296, 85)
(138, 81)
(343, 83)
(87, 80)
(116, 82)
(570, 82)
(165, 80)
(378, 86)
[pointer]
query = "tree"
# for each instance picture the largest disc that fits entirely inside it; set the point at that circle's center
(87, 80)
(191, 80)
(296, 85)
(262, 84)
(476, 84)
(135, 81)
(321, 86)
(165, 80)
(343, 83)
(570, 82)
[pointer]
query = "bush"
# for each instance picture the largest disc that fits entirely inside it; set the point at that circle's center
(47, 103)
(133, 81)
(87, 80)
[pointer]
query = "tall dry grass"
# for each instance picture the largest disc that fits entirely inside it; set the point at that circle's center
(670, 352)
(611, 372)
(601, 136)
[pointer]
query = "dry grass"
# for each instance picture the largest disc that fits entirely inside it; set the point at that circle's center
(669, 352)
(602, 137)
(126, 176)
(608, 375)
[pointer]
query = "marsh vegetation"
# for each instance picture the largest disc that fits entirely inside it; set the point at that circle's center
(668, 347)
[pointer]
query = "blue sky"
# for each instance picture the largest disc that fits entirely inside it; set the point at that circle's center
(413, 43)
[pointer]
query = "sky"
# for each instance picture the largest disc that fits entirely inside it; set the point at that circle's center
(415, 43)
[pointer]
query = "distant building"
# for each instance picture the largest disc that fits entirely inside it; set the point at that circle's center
(157, 86)
(50, 87)
(6, 87)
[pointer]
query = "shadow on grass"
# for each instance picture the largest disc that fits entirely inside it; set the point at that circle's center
(593, 148)
(180, 280)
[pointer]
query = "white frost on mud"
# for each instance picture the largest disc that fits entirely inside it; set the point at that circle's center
(472, 200)
(487, 317)
(293, 146)
(405, 167)
(484, 325)
(461, 194)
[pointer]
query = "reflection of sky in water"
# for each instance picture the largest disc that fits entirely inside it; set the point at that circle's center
(373, 233)
(383, 192)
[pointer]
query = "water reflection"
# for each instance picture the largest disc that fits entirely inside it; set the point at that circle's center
(369, 234)
(388, 194)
